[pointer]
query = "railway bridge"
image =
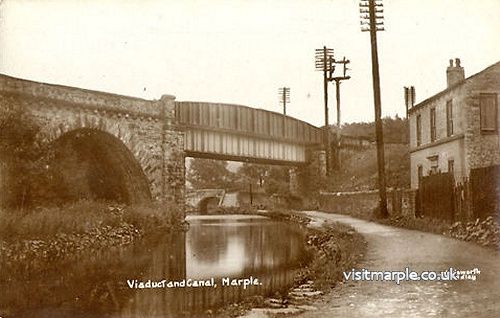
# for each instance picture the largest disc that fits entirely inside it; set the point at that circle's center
(122, 148)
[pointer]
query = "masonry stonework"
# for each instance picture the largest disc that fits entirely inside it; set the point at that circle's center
(467, 147)
(482, 148)
(145, 127)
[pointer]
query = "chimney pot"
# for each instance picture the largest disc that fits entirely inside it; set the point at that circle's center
(454, 73)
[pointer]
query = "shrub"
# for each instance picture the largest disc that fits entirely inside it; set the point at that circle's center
(337, 247)
(82, 216)
(486, 232)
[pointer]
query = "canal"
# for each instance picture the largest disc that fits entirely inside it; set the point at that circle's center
(219, 260)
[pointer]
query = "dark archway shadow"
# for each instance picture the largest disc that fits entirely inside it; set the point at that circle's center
(208, 205)
(92, 164)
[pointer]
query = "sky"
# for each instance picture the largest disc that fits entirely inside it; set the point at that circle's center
(242, 51)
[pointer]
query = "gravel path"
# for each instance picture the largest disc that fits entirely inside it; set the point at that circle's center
(392, 248)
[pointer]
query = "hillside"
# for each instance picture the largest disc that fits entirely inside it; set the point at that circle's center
(359, 168)
(395, 130)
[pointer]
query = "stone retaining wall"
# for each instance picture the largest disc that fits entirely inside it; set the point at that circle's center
(399, 202)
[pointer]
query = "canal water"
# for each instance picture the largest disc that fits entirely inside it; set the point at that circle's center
(219, 260)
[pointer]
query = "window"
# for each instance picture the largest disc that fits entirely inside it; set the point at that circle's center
(449, 118)
(433, 164)
(451, 166)
(419, 130)
(488, 112)
(433, 124)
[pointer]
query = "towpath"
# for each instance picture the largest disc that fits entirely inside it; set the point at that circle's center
(391, 248)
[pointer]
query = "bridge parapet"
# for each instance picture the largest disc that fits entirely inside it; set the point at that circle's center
(82, 98)
(244, 120)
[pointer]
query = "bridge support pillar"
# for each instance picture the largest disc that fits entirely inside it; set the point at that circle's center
(293, 184)
(173, 157)
(312, 176)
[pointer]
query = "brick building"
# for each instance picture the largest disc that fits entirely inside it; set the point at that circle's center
(456, 130)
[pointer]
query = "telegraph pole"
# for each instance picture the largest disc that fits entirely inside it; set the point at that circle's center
(372, 15)
(337, 80)
(284, 93)
(324, 62)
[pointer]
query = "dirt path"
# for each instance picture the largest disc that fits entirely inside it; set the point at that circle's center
(392, 248)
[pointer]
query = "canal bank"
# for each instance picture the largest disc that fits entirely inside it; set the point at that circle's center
(334, 248)
(241, 260)
(62, 260)
(392, 248)
(90, 274)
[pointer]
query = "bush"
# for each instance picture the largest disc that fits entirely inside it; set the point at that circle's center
(82, 216)
(486, 232)
(19, 154)
(338, 248)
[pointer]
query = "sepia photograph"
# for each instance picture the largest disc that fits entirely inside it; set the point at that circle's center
(249, 158)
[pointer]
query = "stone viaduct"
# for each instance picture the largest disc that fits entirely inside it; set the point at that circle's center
(133, 150)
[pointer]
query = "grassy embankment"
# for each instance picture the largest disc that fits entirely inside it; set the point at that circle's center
(359, 169)
(72, 255)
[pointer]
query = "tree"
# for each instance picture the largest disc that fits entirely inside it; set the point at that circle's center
(277, 181)
(209, 174)
(21, 156)
(252, 173)
(273, 179)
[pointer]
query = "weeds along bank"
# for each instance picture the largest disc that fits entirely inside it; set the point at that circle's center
(332, 247)
(364, 205)
(82, 244)
(49, 234)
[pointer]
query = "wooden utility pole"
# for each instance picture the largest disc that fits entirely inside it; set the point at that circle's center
(324, 62)
(337, 80)
(284, 93)
(374, 19)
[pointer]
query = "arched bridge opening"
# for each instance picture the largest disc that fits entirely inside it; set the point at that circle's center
(92, 164)
(208, 205)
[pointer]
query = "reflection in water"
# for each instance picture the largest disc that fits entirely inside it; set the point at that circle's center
(225, 247)
(214, 247)
(221, 247)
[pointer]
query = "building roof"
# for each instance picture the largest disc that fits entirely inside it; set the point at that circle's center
(457, 85)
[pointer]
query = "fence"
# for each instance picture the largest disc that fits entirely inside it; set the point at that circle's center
(436, 197)
(439, 196)
(485, 191)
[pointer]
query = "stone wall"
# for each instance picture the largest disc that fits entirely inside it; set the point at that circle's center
(482, 149)
(145, 127)
(363, 203)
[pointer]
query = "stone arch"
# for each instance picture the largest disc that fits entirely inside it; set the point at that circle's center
(117, 125)
(111, 124)
(208, 205)
(95, 164)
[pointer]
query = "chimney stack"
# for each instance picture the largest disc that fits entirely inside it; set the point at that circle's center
(454, 73)
(409, 94)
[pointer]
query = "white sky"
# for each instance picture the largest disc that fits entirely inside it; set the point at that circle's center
(241, 52)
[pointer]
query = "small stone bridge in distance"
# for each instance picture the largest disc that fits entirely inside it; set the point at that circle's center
(127, 149)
